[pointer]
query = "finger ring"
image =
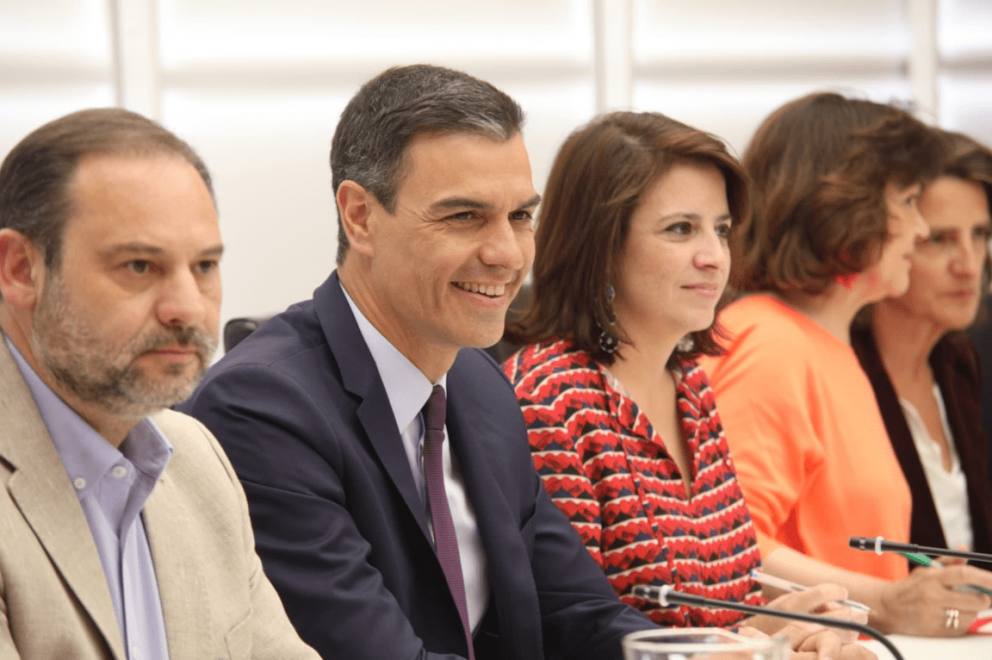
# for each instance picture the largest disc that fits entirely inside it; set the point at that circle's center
(952, 618)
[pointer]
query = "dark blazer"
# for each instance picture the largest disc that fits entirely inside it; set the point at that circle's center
(981, 335)
(955, 367)
(303, 415)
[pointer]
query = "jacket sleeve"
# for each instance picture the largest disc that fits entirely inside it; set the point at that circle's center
(271, 633)
(775, 445)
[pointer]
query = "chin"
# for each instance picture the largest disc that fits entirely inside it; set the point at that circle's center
(897, 289)
(483, 338)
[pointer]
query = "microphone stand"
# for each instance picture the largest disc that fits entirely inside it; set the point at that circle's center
(878, 545)
(667, 596)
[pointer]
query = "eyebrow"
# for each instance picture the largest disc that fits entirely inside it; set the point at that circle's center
(983, 224)
(138, 248)
(468, 203)
(691, 216)
(533, 201)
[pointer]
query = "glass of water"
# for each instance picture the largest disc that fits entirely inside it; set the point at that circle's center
(700, 643)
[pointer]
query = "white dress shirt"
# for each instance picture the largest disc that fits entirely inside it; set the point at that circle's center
(949, 488)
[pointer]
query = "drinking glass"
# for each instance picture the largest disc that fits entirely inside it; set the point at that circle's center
(701, 643)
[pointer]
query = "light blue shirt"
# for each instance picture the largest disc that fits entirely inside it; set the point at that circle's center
(112, 487)
(408, 390)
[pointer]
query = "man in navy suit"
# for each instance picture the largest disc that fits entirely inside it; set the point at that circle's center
(320, 408)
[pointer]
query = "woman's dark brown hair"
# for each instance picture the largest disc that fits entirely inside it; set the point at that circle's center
(819, 166)
(596, 183)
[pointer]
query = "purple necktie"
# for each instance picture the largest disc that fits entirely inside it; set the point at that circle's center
(445, 541)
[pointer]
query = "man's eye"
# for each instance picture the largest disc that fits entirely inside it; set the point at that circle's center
(522, 215)
(139, 266)
(207, 266)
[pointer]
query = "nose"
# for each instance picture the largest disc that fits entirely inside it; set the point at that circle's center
(711, 251)
(968, 258)
(506, 244)
(181, 301)
(920, 227)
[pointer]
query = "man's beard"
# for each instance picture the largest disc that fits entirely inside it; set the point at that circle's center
(96, 371)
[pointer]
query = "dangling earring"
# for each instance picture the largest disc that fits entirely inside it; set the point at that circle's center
(685, 344)
(607, 342)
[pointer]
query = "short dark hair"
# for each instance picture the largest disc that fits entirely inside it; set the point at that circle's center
(36, 174)
(377, 125)
(819, 166)
(596, 183)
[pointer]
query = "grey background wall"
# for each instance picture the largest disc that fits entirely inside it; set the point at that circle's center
(257, 86)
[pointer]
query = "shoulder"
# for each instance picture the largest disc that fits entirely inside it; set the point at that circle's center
(195, 446)
(292, 335)
(287, 356)
(541, 372)
(766, 342)
(477, 375)
(695, 386)
(199, 470)
(763, 324)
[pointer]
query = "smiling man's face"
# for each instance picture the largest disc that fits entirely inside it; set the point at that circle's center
(446, 263)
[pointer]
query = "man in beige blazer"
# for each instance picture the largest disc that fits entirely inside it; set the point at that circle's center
(124, 532)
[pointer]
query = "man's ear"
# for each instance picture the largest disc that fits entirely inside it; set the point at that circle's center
(355, 205)
(22, 268)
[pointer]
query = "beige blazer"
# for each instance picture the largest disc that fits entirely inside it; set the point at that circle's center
(54, 600)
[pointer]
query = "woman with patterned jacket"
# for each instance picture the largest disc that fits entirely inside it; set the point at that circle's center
(631, 261)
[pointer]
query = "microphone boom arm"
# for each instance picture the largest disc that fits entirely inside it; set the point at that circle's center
(878, 545)
(666, 596)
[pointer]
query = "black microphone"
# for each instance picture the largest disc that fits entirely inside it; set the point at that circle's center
(666, 596)
(878, 545)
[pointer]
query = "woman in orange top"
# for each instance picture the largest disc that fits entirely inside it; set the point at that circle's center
(836, 183)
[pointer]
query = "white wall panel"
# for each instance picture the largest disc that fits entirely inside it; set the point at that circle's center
(733, 110)
(67, 32)
(269, 158)
(259, 94)
(257, 86)
(723, 66)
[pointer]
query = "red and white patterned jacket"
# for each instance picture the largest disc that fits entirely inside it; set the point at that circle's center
(609, 472)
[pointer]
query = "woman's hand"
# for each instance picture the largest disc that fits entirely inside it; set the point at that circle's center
(930, 603)
(821, 600)
(923, 604)
(813, 642)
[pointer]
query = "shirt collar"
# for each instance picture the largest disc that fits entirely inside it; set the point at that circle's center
(85, 454)
(407, 388)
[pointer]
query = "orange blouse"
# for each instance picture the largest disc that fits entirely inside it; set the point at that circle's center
(812, 454)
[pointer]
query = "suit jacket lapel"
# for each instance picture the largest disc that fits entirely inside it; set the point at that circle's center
(180, 579)
(46, 499)
(476, 442)
(361, 379)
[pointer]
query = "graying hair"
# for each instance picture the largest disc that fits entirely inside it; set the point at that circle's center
(399, 104)
(36, 174)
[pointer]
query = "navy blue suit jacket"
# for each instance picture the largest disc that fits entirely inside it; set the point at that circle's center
(303, 415)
